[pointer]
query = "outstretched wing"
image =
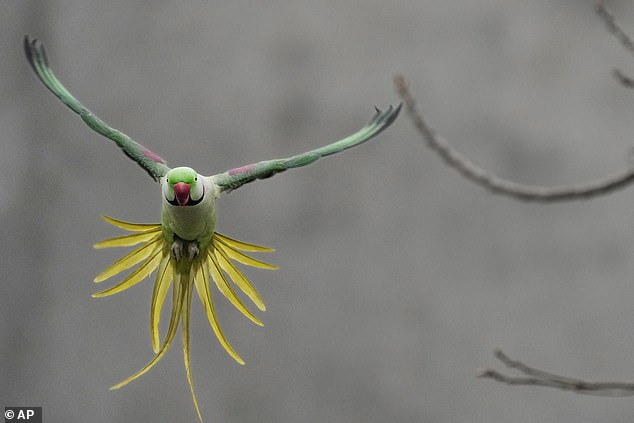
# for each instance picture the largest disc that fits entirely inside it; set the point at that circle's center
(237, 177)
(151, 162)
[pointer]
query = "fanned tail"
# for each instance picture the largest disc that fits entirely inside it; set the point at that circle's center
(214, 262)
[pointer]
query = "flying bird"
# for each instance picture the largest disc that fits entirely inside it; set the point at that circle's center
(185, 249)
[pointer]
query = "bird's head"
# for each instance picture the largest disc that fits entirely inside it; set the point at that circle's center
(182, 186)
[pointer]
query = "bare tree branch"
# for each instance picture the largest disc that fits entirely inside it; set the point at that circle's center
(626, 41)
(503, 186)
(536, 377)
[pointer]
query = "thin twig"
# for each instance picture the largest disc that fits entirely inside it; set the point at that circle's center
(623, 79)
(503, 186)
(624, 38)
(536, 377)
(613, 27)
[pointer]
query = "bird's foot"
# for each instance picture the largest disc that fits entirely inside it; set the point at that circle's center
(177, 249)
(192, 250)
(184, 249)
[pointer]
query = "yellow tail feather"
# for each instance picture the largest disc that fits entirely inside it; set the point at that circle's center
(204, 293)
(171, 331)
(164, 277)
(127, 240)
(133, 227)
(243, 258)
(129, 260)
(227, 291)
(187, 301)
(241, 245)
(135, 277)
(238, 278)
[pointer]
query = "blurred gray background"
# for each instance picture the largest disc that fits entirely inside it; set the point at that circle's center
(398, 278)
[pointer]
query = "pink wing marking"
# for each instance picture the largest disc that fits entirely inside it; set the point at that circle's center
(244, 169)
(152, 156)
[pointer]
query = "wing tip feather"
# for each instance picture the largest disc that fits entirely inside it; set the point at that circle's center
(35, 54)
(385, 118)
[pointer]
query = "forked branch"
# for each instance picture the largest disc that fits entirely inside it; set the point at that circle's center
(509, 188)
(535, 377)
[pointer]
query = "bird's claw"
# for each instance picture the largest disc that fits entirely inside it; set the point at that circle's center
(192, 250)
(182, 248)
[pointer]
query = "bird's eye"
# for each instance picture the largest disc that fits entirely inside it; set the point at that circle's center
(168, 180)
(195, 178)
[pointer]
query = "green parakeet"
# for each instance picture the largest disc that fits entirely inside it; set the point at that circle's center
(184, 248)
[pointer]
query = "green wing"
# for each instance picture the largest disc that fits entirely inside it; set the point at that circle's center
(237, 177)
(153, 164)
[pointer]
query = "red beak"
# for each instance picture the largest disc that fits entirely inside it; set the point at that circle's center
(181, 190)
